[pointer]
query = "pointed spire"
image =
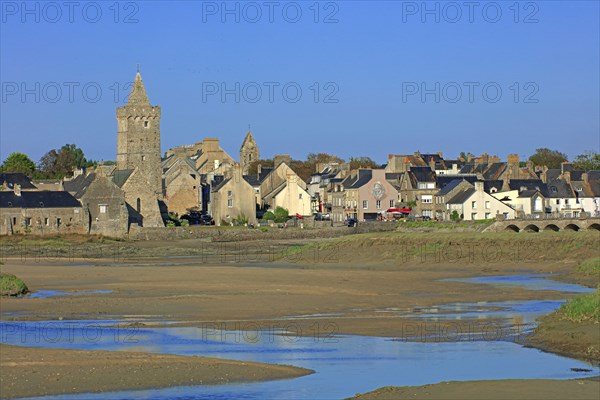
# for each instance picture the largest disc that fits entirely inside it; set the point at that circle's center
(138, 94)
(248, 139)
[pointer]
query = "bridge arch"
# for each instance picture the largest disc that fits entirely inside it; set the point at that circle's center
(594, 227)
(512, 228)
(531, 228)
(551, 227)
(572, 227)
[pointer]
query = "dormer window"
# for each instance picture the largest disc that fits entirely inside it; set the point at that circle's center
(10, 203)
(553, 188)
(578, 189)
(41, 204)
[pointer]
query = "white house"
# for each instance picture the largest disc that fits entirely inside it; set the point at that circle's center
(475, 204)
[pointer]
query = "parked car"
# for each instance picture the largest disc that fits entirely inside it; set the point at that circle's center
(351, 222)
(322, 217)
(206, 219)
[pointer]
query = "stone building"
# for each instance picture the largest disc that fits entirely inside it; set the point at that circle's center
(138, 171)
(182, 185)
(39, 212)
(248, 152)
(231, 197)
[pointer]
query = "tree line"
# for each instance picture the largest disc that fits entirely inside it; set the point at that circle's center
(55, 164)
(60, 163)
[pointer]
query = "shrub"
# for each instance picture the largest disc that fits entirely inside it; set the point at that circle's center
(240, 220)
(10, 285)
(585, 308)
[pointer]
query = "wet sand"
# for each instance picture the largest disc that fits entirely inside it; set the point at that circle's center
(28, 371)
(534, 389)
(338, 286)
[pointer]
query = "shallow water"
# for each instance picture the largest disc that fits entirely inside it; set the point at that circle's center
(45, 294)
(344, 364)
(529, 281)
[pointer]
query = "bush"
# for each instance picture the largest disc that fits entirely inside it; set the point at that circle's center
(240, 220)
(185, 222)
(590, 266)
(281, 215)
(171, 224)
(10, 285)
(269, 216)
(585, 308)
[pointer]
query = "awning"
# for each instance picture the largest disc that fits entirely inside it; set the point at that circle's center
(399, 210)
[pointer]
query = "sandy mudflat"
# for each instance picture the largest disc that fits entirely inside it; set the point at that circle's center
(352, 285)
(535, 389)
(28, 371)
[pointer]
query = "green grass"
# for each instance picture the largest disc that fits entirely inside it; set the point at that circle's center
(443, 225)
(590, 266)
(10, 285)
(585, 308)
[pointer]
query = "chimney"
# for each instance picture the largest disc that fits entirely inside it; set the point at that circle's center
(513, 159)
(17, 189)
(530, 166)
(485, 158)
(565, 166)
(440, 154)
(258, 170)
(584, 177)
(77, 172)
(469, 157)
(544, 174)
(567, 176)
(279, 158)
(479, 186)
(432, 163)
(454, 169)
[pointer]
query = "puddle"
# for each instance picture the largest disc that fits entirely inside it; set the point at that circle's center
(344, 365)
(529, 281)
(46, 294)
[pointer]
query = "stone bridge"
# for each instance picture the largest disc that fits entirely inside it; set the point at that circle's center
(546, 224)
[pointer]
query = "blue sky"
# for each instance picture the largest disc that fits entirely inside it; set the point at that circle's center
(362, 70)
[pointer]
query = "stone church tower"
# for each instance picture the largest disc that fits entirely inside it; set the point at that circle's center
(138, 137)
(248, 153)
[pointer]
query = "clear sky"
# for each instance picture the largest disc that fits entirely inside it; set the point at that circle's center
(376, 77)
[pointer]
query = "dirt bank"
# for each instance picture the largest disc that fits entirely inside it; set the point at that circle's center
(537, 389)
(27, 371)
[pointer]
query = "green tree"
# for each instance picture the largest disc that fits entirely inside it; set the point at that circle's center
(454, 216)
(550, 158)
(60, 163)
(362, 162)
(279, 215)
(590, 160)
(18, 162)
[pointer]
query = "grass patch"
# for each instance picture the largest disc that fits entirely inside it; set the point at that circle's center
(590, 267)
(581, 309)
(10, 285)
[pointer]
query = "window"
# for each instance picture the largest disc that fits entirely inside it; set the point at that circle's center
(391, 203)
(46, 221)
(365, 204)
(143, 158)
(10, 204)
(427, 199)
(487, 215)
(300, 196)
(566, 201)
(27, 221)
(378, 204)
(473, 216)
(473, 204)
(139, 205)
(229, 193)
(428, 213)
(487, 205)
(103, 208)
(146, 124)
(557, 201)
(14, 220)
(230, 203)
(58, 221)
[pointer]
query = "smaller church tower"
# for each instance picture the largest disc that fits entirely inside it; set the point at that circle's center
(248, 153)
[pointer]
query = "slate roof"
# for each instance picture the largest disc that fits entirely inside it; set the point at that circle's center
(121, 176)
(559, 189)
(218, 182)
(443, 180)
(422, 174)
(528, 193)
(16, 177)
(495, 184)
(34, 199)
(528, 184)
(494, 170)
(252, 180)
(449, 186)
(594, 181)
(79, 185)
(461, 197)
(364, 176)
